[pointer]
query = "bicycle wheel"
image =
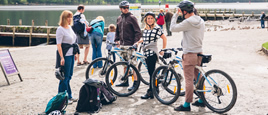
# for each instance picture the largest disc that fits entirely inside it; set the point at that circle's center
(166, 85)
(100, 72)
(145, 76)
(112, 80)
(221, 95)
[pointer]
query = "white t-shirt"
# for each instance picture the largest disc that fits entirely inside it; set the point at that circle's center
(68, 36)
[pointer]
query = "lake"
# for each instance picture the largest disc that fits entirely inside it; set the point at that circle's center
(110, 12)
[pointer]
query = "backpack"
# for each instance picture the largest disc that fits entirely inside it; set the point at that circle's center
(106, 97)
(78, 27)
(89, 100)
(58, 102)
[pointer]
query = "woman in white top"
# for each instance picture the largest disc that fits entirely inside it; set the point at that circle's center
(66, 36)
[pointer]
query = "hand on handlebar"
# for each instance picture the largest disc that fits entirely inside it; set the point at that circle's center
(118, 44)
(161, 53)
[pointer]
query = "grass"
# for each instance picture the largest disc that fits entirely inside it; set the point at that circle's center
(265, 45)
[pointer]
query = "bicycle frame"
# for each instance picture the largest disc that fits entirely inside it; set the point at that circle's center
(202, 71)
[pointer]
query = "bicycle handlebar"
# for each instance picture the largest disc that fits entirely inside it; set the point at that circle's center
(111, 43)
(175, 50)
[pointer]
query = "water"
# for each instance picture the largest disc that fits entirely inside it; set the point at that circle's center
(110, 12)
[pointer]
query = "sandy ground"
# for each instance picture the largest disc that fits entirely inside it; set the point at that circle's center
(234, 51)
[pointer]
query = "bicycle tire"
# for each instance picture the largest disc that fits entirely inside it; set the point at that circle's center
(221, 90)
(147, 80)
(111, 82)
(90, 66)
(159, 81)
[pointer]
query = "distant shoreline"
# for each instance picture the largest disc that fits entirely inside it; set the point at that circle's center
(238, 6)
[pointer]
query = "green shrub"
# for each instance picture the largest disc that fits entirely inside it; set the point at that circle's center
(265, 45)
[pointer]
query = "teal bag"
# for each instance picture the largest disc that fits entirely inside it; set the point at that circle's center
(58, 102)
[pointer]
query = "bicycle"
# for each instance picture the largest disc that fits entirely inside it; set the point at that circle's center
(125, 71)
(107, 62)
(210, 86)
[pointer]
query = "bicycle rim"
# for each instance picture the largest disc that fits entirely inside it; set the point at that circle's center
(98, 73)
(112, 80)
(222, 95)
(166, 85)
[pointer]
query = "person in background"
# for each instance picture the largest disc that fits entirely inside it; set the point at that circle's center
(168, 17)
(83, 41)
(127, 33)
(66, 49)
(110, 38)
(161, 18)
(96, 39)
(151, 34)
(262, 20)
(193, 28)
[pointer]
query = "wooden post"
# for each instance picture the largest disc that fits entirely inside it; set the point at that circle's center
(48, 32)
(13, 37)
(46, 23)
(215, 15)
(20, 22)
(32, 22)
(30, 37)
(252, 14)
(243, 13)
(8, 22)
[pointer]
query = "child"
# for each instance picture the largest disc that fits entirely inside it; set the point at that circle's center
(110, 37)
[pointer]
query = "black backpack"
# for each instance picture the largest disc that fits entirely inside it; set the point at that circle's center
(89, 100)
(106, 96)
(78, 27)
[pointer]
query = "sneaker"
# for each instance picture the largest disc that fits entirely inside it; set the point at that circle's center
(181, 108)
(123, 85)
(70, 102)
(197, 104)
(73, 99)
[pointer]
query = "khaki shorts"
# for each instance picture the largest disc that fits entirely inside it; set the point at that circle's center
(126, 55)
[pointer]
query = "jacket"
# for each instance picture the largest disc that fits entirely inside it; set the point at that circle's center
(193, 29)
(98, 26)
(65, 47)
(160, 19)
(127, 30)
(168, 16)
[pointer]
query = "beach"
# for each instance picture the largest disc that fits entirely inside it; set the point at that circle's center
(237, 52)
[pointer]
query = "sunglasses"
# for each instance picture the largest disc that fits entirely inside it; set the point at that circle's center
(125, 7)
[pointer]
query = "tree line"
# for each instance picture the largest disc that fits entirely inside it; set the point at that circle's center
(105, 2)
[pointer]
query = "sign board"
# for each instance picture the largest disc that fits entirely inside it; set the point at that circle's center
(135, 9)
(7, 64)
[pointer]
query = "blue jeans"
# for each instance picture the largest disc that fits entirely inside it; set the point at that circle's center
(161, 26)
(96, 42)
(262, 24)
(68, 73)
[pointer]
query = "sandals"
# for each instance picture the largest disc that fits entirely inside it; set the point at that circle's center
(79, 63)
(85, 62)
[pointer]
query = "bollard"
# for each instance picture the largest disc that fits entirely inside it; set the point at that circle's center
(13, 37)
(30, 37)
(46, 23)
(8, 22)
(20, 22)
(48, 38)
(32, 22)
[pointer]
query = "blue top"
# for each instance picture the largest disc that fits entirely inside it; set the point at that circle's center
(110, 37)
(100, 25)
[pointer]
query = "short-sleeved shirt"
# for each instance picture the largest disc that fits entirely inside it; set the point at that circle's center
(151, 36)
(64, 35)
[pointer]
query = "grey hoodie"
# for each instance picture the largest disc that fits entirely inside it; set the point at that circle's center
(193, 33)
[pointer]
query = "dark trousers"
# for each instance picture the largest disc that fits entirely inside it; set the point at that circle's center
(68, 73)
(151, 61)
(168, 29)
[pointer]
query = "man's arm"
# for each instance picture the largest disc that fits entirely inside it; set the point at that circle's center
(117, 33)
(137, 29)
(174, 27)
